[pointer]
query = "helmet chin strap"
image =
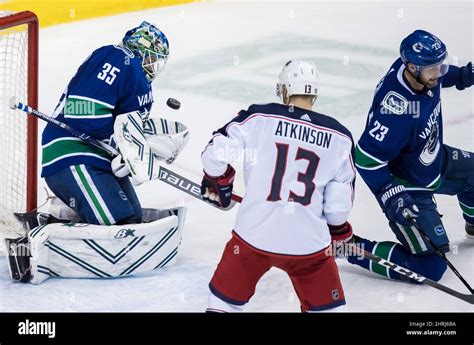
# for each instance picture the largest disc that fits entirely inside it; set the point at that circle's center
(417, 76)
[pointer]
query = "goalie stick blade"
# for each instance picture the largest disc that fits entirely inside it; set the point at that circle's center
(186, 186)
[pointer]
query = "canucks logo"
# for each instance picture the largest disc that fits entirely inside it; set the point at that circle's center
(432, 147)
(439, 230)
(395, 103)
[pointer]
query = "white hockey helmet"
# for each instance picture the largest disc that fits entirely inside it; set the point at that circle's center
(299, 78)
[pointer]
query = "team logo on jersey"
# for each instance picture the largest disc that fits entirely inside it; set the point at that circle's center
(145, 99)
(395, 103)
(335, 294)
(439, 230)
(432, 147)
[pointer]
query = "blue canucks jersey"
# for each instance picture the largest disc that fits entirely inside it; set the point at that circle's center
(110, 82)
(403, 138)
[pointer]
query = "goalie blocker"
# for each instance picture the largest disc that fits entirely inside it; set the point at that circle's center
(76, 250)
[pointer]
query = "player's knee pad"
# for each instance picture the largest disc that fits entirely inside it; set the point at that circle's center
(431, 266)
(217, 305)
(430, 222)
(76, 250)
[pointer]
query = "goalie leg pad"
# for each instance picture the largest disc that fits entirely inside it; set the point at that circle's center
(94, 251)
(97, 196)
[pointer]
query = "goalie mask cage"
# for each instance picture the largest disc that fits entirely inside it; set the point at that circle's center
(18, 131)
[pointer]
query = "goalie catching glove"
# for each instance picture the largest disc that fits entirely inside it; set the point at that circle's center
(142, 143)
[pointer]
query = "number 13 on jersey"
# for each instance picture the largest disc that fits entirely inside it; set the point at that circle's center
(306, 178)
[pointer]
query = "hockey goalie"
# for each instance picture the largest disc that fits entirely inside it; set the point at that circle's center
(96, 226)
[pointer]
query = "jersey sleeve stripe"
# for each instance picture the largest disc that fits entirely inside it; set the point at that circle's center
(65, 147)
(367, 161)
(89, 117)
(92, 100)
(467, 210)
(75, 107)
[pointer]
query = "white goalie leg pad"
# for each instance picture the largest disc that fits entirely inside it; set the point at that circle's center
(98, 251)
(216, 305)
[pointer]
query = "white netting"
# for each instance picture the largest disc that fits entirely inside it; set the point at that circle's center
(13, 124)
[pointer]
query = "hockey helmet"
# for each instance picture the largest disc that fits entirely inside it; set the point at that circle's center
(299, 78)
(148, 42)
(424, 50)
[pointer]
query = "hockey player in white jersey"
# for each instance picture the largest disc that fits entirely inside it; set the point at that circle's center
(299, 192)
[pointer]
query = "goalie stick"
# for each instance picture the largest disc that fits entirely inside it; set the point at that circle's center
(164, 174)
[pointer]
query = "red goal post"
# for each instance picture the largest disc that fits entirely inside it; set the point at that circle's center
(18, 77)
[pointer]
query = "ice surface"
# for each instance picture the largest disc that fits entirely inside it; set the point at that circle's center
(225, 56)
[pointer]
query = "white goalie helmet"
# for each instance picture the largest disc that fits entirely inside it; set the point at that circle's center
(299, 78)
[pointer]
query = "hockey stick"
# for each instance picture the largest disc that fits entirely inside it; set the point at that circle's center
(15, 104)
(469, 298)
(164, 174)
(190, 187)
(409, 216)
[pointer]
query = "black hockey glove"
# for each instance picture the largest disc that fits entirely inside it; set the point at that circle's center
(394, 199)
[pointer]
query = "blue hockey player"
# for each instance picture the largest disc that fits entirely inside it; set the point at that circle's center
(402, 157)
(110, 99)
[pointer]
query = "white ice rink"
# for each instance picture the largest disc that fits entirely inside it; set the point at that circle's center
(225, 56)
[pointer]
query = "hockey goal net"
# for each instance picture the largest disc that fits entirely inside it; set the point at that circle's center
(18, 131)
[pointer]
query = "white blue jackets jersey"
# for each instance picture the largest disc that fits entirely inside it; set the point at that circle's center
(403, 138)
(298, 172)
(109, 83)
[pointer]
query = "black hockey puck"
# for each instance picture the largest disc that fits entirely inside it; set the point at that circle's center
(173, 103)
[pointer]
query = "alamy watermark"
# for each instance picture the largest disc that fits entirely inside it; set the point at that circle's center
(237, 155)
